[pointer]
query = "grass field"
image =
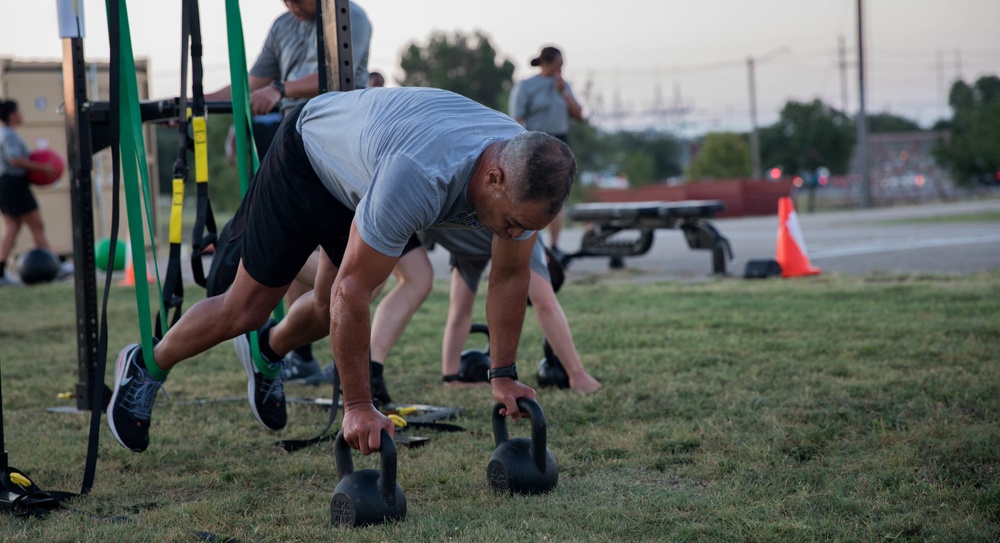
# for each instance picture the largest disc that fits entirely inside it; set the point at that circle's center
(829, 409)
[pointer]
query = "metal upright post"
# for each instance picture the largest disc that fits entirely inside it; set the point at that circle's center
(80, 161)
(866, 189)
(338, 55)
(754, 138)
(752, 63)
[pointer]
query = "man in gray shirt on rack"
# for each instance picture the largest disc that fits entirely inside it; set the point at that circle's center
(287, 70)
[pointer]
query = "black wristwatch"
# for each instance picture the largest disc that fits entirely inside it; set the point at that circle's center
(509, 371)
(279, 85)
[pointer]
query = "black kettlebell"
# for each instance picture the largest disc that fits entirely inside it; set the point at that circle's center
(521, 465)
(368, 496)
(475, 363)
(550, 370)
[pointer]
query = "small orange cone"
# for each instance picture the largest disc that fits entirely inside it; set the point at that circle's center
(129, 280)
(791, 253)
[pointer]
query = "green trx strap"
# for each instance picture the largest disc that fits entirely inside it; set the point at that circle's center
(240, 90)
(125, 154)
(246, 154)
(135, 175)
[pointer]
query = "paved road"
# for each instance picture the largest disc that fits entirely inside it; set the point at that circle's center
(891, 240)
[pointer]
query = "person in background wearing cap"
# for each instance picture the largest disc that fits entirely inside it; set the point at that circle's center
(545, 102)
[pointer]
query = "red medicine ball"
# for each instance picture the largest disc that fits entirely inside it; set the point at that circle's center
(48, 156)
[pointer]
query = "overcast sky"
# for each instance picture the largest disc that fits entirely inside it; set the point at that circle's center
(625, 58)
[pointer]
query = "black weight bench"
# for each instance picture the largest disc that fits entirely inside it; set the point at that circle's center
(608, 220)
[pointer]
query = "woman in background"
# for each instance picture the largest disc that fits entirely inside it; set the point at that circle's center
(17, 205)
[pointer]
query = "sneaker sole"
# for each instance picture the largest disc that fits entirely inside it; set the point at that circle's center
(244, 354)
(119, 364)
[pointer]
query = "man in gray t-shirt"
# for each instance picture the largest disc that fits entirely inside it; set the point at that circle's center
(286, 69)
(359, 173)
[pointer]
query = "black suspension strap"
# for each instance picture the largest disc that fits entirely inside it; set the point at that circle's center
(97, 392)
(173, 283)
(205, 232)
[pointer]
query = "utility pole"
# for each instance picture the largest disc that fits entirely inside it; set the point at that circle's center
(866, 192)
(941, 100)
(842, 63)
(958, 64)
(752, 80)
(754, 139)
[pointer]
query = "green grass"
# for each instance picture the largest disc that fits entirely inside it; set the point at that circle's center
(830, 409)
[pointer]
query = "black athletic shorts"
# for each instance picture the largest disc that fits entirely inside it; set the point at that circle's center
(288, 212)
(16, 198)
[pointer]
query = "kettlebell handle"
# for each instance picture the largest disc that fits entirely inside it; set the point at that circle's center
(538, 428)
(481, 328)
(345, 465)
(547, 350)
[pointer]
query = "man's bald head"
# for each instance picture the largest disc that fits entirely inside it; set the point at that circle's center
(538, 167)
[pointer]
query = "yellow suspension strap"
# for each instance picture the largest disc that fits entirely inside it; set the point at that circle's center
(205, 232)
(173, 284)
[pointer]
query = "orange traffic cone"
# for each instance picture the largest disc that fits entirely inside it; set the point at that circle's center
(129, 280)
(791, 253)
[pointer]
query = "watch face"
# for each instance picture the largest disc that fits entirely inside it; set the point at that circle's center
(510, 371)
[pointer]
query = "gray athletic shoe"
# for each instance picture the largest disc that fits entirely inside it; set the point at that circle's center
(298, 369)
(321, 377)
(265, 394)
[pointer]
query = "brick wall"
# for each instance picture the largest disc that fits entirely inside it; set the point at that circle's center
(741, 196)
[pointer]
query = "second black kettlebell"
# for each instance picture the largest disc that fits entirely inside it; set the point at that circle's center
(475, 363)
(367, 496)
(521, 465)
(551, 372)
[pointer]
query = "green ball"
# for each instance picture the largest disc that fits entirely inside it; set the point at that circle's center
(102, 251)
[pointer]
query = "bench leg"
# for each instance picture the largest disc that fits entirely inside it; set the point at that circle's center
(700, 234)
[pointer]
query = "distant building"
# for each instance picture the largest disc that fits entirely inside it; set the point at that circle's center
(902, 168)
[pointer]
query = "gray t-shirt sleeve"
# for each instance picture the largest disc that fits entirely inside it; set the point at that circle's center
(401, 201)
(538, 262)
(11, 147)
(268, 63)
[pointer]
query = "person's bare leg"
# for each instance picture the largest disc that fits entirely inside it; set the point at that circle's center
(304, 363)
(11, 227)
(303, 282)
(308, 319)
(555, 327)
(456, 328)
(33, 220)
(414, 279)
(244, 307)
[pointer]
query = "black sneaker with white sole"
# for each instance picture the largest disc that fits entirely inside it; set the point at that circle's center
(380, 394)
(265, 394)
(130, 410)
